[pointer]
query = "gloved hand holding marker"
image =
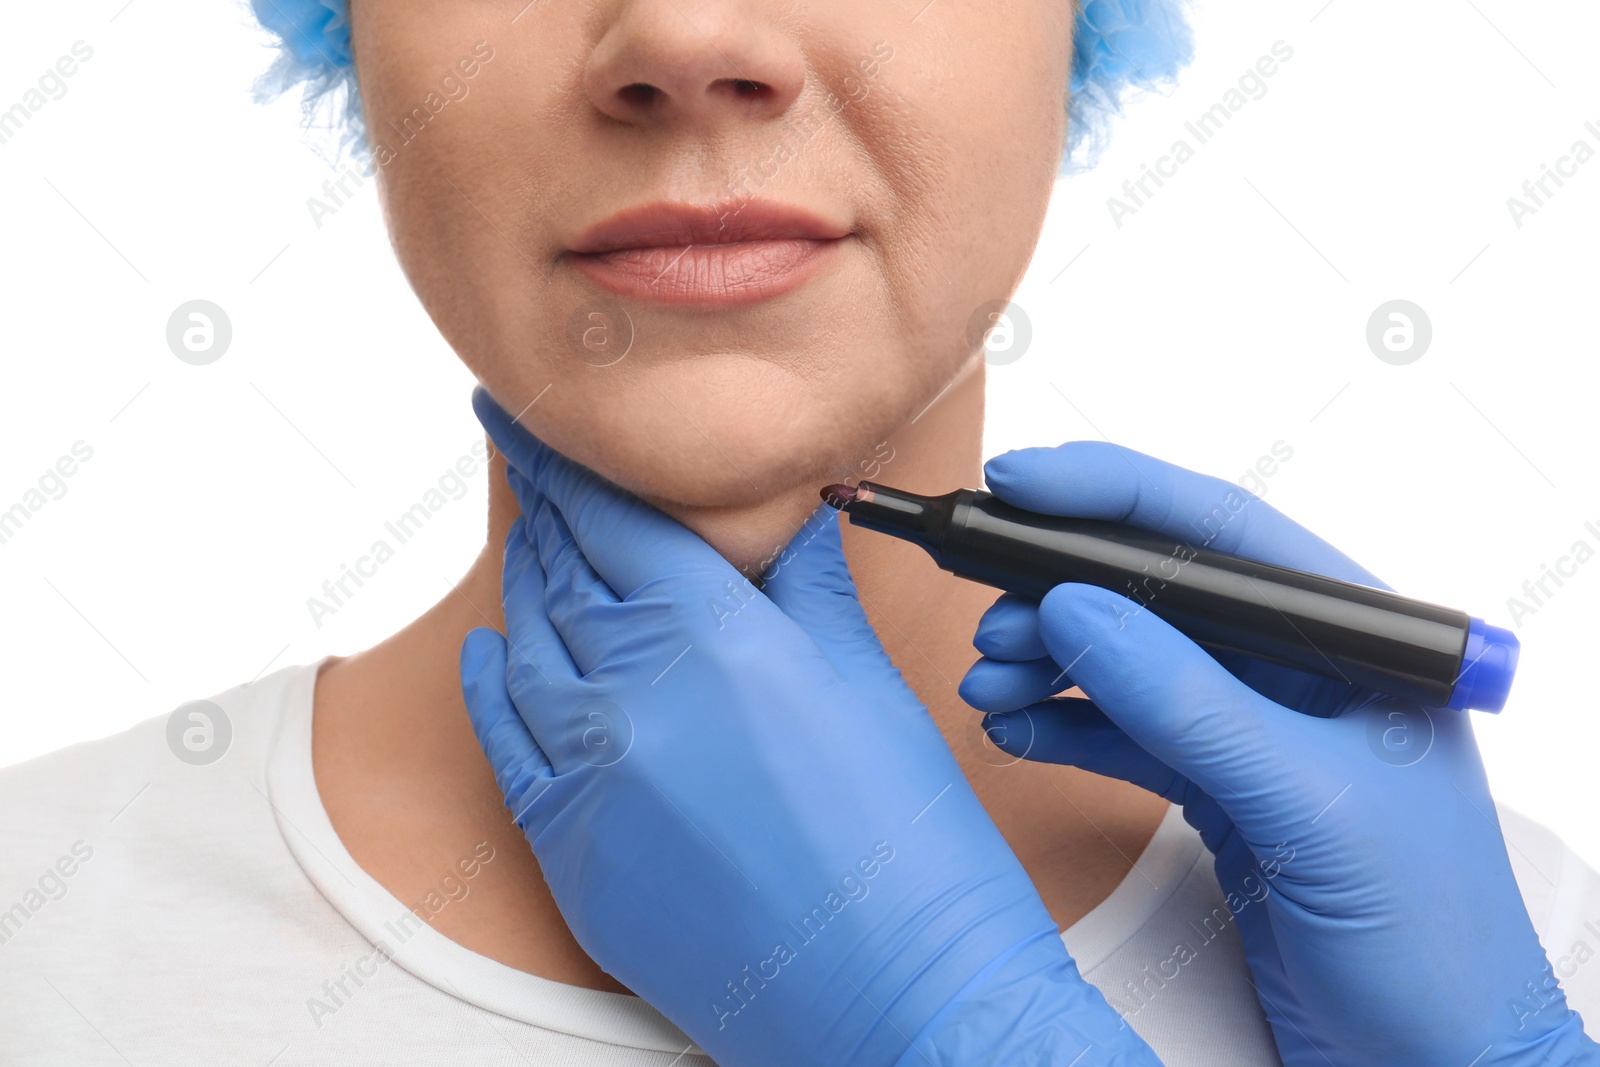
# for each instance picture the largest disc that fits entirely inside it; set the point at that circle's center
(1394, 931)
(1369, 637)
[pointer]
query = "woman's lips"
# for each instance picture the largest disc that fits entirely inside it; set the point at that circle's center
(717, 254)
(742, 272)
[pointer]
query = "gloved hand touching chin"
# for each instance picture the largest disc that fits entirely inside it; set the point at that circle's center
(743, 813)
(1379, 914)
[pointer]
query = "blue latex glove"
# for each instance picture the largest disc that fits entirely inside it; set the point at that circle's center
(743, 813)
(1369, 877)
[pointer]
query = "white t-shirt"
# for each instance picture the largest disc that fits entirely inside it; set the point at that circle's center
(154, 910)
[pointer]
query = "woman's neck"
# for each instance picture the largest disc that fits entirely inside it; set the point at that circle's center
(409, 792)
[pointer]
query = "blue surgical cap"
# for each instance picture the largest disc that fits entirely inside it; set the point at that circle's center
(1120, 46)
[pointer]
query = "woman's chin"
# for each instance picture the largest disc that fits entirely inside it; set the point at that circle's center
(701, 444)
(752, 537)
(718, 475)
(746, 486)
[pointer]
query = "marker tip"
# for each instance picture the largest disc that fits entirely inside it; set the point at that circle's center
(839, 496)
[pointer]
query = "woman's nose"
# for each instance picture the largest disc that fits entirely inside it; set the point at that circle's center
(678, 63)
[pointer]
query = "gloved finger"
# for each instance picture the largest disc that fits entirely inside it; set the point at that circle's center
(515, 562)
(595, 626)
(810, 583)
(570, 715)
(540, 672)
(519, 765)
(528, 497)
(1100, 480)
(1201, 811)
(1179, 704)
(1009, 630)
(1073, 732)
(994, 685)
(1246, 880)
(626, 541)
(1307, 693)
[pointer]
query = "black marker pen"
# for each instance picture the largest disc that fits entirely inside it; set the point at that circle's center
(1375, 639)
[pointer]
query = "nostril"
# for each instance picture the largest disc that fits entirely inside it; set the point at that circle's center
(745, 88)
(638, 93)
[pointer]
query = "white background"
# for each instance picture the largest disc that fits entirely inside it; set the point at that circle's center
(1227, 314)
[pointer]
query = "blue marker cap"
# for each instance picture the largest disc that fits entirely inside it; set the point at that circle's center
(1487, 666)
